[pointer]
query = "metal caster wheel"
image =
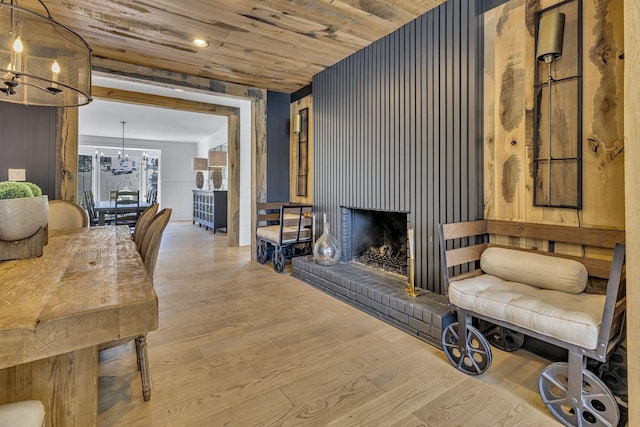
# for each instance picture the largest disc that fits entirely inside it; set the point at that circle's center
(278, 261)
(505, 339)
(262, 253)
(473, 356)
(597, 405)
(614, 372)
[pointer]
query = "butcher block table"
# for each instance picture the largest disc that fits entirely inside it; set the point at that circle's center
(88, 288)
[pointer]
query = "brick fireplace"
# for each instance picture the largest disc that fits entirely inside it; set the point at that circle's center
(376, 284)
(375, 238)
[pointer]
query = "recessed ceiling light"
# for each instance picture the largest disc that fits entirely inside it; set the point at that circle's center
(200, 43)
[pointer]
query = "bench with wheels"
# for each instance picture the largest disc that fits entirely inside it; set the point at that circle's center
(284, 231)
(497, 273)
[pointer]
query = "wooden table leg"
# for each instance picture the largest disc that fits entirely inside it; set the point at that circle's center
(66, 384)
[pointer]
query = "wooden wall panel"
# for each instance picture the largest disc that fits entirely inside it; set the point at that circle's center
(509, 58)
(632, 189)
(66, 172)
(395, 128)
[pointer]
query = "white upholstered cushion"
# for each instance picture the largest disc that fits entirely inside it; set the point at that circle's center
(542, 271)
(28, 413)
(573, 318)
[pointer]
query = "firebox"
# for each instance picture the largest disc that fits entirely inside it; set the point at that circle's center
(375, 238)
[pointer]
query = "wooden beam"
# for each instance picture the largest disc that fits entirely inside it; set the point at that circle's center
(66, 172)
(162, 101)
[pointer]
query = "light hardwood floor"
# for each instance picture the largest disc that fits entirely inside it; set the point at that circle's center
(241, 345)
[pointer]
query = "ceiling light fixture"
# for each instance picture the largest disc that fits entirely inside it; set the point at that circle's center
(200, 43)
(42, 62)
(121, 155)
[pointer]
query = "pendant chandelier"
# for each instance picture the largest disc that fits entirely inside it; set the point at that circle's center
(42, 62)
(122, 155)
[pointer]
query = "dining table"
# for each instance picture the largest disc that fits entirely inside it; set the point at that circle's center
(89, 287)
(105, 207)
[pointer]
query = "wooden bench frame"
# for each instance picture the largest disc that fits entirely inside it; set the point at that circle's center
(287, 245)
(462, 244)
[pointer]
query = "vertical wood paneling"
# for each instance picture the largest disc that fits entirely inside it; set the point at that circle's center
(396, 129)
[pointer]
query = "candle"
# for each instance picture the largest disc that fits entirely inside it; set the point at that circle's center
(55, 69)
(17, 49)
(410, 235)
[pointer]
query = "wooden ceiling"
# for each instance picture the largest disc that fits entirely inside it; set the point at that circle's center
(269, 44)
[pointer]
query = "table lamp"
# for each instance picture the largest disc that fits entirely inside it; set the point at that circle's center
(199, 164)
(217, 160)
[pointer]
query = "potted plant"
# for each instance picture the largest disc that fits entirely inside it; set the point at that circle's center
(23, 210)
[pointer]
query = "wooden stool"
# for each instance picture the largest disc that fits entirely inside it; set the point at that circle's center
(28, 413)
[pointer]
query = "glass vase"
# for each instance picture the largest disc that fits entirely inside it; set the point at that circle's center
(327, 249)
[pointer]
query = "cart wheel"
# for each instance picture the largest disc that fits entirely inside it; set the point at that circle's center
(278, 261)
(597, 406)
(473, 357)
(614, 372)
(262, 253)
(505, 339)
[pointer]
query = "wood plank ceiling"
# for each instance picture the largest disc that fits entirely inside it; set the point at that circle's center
(270, 44)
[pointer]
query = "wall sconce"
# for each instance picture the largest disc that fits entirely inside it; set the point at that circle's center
(217, 160)
(99, 158)
(549, 48)
(42, 61)
(199, 164)
(297, 124)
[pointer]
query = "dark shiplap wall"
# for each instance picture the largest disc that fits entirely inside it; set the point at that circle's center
(28, 141)
(278, 146)
(397, 127)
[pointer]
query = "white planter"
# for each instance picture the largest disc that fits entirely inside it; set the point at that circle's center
(21, 218)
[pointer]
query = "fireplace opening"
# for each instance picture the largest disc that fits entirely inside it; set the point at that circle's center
(378, 239)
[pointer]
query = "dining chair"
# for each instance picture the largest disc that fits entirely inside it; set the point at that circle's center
(126, 208)
(91, 206)
(151, 242)
(26, 413)
(143, 223)
(149, 253)
(66, 215)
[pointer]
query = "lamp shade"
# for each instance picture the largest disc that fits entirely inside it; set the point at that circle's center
(199, 164)
(42, 62)
(217, 158)
(297, 124)
(550, 37)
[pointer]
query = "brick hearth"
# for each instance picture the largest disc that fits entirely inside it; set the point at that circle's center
(380, 294)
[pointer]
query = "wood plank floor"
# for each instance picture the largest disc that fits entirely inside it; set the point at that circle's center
(241, 345)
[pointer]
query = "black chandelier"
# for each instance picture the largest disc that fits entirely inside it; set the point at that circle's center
(42, 62)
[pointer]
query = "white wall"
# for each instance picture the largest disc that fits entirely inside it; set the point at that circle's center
(176, 179)
(246, 171)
